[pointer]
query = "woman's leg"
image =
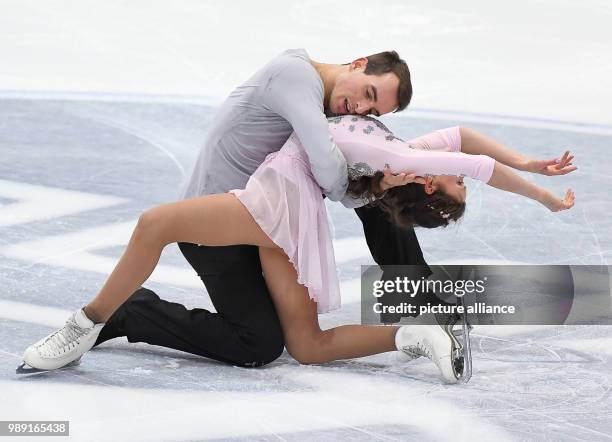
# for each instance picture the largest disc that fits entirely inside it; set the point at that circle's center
(304, 339)
(214, 220)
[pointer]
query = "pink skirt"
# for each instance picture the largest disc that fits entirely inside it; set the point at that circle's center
(286, 202)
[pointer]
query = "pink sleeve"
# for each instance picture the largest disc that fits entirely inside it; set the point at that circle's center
(368, 146)
(448, 140)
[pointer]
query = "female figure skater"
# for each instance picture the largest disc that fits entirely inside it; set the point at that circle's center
(281, 210)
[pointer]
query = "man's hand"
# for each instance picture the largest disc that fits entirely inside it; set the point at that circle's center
(392, 180)
(552, 167)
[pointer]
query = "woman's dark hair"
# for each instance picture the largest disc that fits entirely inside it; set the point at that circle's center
(408, 205)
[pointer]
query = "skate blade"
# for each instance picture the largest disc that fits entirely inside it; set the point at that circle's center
(467, 351)
(26, 369)
(461, 352)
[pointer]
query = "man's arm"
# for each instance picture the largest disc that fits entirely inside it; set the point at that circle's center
(295, 93)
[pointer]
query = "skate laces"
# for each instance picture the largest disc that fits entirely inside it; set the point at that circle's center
(67, 336)
(418, 349)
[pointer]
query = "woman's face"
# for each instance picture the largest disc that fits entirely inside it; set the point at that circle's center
(451, 185)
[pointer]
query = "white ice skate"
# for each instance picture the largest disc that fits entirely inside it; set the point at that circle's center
(435, 343)
(65, 345)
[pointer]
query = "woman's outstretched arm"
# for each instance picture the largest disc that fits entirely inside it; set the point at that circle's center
(506, 179)
(469, 141)
(473, 142)
(445, 153)
(368, 148)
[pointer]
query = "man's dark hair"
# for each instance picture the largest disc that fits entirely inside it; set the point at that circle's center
(390, 61)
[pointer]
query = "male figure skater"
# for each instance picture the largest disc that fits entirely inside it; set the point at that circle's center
(291, 92)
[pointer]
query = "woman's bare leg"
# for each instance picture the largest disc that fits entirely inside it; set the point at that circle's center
(214, 220)
(304, 339)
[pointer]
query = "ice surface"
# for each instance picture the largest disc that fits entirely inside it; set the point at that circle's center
(116, 159)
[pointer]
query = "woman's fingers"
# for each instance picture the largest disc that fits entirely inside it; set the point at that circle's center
(569, 199)
(564, 157)
(563, 163)
(565, 170)
(565, 160)
(569, 169)
(561, 168)
(563, 204)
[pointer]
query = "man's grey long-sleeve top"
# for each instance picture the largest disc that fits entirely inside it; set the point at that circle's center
(257, 118)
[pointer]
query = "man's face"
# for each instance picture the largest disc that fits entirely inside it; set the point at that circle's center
(357, 93)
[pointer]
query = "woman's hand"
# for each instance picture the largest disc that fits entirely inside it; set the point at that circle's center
(552, 167)
(391, 180)
(556, 204)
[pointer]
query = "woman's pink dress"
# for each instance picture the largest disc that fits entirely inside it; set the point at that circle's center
(286, 202)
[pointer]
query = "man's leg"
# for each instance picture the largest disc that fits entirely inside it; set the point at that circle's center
(245, 331)
(392, 246)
